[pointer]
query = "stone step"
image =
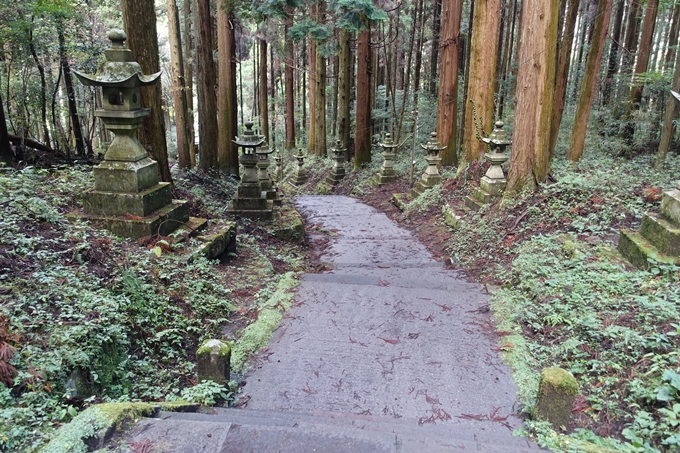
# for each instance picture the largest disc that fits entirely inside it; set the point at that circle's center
(670, 205)
(663, 234)
(473, 204)
(236, 430)
(637, 250)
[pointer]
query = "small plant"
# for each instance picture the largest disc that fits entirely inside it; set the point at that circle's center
(209, 393)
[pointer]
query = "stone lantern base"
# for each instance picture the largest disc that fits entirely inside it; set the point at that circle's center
(430, 178)
(336, 175)
(489, 190)
(249, 202)
(659, 235)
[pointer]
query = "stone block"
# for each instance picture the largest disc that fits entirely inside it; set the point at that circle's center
(636, 249)
(557, 391)
(451, 218)
(495, 187)
(400, 200)
(213, 361)
(670, 205)
(663, 234)
(163, 221)
(473, 204)
(483, 196)
(130, 177)
(119, 204)
(288, 226)
(221, 241)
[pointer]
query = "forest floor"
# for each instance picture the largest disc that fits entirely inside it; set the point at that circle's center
(72, 297)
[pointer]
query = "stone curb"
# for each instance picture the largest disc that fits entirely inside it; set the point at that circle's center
(92, 428)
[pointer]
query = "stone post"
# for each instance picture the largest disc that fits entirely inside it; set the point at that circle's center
(278, 169)
(213, 361)
(337, 153)
(248, 200)
(557, 391)
(431, 176)
(300, 175)
(387, 174)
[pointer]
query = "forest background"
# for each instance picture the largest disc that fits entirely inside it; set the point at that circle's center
(568, 78)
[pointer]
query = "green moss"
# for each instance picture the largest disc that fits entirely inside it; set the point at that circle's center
(92, 427)
(207, 347)
(257, 334)
(560, 379)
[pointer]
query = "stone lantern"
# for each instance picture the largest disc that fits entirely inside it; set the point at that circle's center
(387, 173)
(300, 175)
(263, 163)
(338, 171)
(278, 169)
(128, 198)
(431, 176)
(248, 200)
(493, 183)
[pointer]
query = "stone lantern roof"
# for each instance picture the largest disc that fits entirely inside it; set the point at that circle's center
(119, 71)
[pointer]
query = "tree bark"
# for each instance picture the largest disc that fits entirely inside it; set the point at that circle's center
(43, 90)
(70, 94)
(673, 36)
(6, 153)
(345, 72)
(362, 139)
(641, 63)
(671, 115)
(311, 82)
(189, 75)
(407, 76)
(320, 105)
(447, 112)
(263, 93)
(561, 78)
(290, 100)
(207, 102)
(184, 139)
(530, 158)
(434, 51)
(613, 64)
(589, 82)
(227, 103)
(482, 72)
(139, 17)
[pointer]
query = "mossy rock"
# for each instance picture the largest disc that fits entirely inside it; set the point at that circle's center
(93, 427)
(213, 360)
(287, 225)
(557, 391)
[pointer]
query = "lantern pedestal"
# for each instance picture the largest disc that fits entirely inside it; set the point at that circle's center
(128, 198)
(431, 176)
(493, 183)
(338, 171)
(387, 174)
(300, 174)
(249, 200)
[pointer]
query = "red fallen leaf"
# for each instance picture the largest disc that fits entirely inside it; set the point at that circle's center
(504, 347)
(429, 318)
(389, 341)
(431, 400)
(444, 307)
(132, 217)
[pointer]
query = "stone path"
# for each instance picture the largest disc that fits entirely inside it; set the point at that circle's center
(389, 331)
(388, 351)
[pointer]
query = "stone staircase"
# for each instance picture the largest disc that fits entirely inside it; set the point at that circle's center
(243, 431)
(659, 235)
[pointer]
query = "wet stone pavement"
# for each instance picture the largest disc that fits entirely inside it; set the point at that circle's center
(388, 331)
(386, 352)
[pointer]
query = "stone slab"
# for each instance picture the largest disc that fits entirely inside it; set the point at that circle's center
(127, 177)
(163, 221)
(140, 204)
(636, 249)
(172, 436)
(663, 234)
(473, 204)
(670, 205)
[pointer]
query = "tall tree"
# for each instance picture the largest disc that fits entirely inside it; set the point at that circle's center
(434, 50)
(530, 158)
(184, 140)
(613, 64)
(6, 153)
(345, 73)
(589, 82)
(447, 113)
(189, 75)
(561, 78)
(227, 106)
(670, 117)
(673, 35)
(362, 136)
(139, 17)
(483, 50)
(263, 92)
(207, 102)
(644, 50)
(290, 101)
(70, 93)
(311, 137)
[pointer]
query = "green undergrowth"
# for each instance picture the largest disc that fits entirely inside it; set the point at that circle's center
(93, 318)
